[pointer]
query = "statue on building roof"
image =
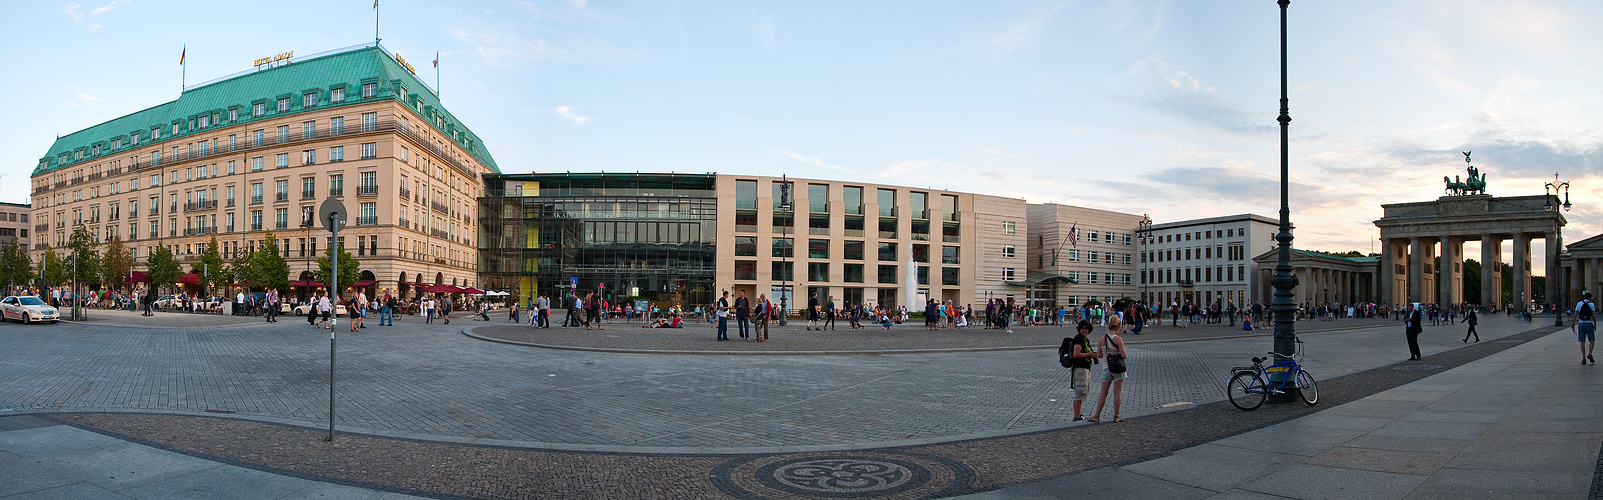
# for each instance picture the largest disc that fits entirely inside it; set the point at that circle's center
(1475, 184)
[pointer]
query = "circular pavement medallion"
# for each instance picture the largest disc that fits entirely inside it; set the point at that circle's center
(874, 474)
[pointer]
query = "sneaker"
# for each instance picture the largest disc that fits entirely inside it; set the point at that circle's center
(1589, 358)
(1077, 419)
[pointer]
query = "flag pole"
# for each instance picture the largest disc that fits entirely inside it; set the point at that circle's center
(436, 74)
(375, 23)
(183, 69)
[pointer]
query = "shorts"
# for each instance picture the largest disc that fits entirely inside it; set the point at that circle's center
(1108, 376)
(1586, 332)
(1080, 383)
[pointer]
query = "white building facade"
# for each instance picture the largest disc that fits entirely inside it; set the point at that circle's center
(1205, 261)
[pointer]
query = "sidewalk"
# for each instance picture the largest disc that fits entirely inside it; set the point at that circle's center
(42, 459)
(1521, 423)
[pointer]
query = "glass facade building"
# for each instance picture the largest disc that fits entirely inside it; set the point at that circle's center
(631, 237)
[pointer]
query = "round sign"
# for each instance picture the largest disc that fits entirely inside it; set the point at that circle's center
(332, 214)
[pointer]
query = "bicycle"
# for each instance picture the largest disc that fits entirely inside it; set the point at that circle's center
(1249, 386)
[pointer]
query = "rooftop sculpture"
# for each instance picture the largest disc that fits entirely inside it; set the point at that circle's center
(1475, 184)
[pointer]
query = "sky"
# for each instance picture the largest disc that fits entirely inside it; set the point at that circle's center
(1155, 107)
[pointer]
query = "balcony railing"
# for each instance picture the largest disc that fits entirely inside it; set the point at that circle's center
(279, 197)
(439, 207)
(230, 202)
(308, 195)
(405, 194)
(404, 223)
(367, 190)
(255, 226)
(339, 191)
(256, 199)
(440, 233)
(200, 205)
(198, 231)
(369, 220)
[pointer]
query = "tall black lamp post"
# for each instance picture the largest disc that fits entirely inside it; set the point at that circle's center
(784, 206)
(1556, 275)
(1284, 304)
(1144, 232)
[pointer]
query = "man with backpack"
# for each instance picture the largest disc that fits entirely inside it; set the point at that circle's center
(1584, 323)
(1076, 354)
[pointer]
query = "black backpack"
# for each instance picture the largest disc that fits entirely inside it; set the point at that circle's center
(1585, 312)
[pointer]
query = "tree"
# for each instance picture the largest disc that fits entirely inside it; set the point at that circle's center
(115, 264)
(82, 242)
(349, 268)
(52, 270)
(15, 266)
(1472, 282)
(162, 268)
(211, 267)
(268, 269)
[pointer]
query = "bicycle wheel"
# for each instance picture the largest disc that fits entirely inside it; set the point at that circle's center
(1306, 388)
(1247, 391)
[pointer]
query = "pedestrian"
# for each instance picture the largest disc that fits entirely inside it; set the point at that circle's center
(543, 305)
(445, 309)
(1584, 323)
(764, 311)
(723, 316)
(1413, 315)
(312, 312)
(812, 311)
(1111, 345)
(743, 314)
(325, 309)
(428, 311)
(1471, 318)
(386, 311)
(1079, 354)
(829, 314)
(512, 313)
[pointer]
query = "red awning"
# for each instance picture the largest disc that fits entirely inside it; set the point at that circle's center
(140, 277)
(298, 283)
(363, 283)
(191, 278)
(474, 291)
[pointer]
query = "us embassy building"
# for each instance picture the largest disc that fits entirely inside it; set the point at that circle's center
(257, 151)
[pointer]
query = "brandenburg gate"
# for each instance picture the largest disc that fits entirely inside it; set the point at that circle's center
(1413, 235)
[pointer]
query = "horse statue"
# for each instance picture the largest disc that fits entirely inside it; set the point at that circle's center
(1454, 187)
(1475, 184)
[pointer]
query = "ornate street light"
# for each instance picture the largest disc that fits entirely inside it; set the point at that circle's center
(784, 206)
(1556, 275)
(1284, 304)
(1144, 231)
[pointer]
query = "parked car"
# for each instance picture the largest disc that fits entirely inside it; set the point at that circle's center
(27, 309)
(168, 302)
(301, 310)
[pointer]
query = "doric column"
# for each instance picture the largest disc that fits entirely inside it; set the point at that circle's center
(1383, 272)
(1490, 269)
(1522, 280)
(1446, 275)
(1416, 268)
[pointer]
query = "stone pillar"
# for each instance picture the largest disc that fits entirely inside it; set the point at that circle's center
(1383, 274)
(1592, 277)
(1416, 267)
(1491, 270)
(1555, 269)
(1522, 280)
(1448, 286)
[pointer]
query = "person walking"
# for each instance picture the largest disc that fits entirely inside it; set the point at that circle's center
(743, 315)
(272, 306)
(428, 311)
(445, 309)
(1584, 323)
(386, 311)
(512, 313)
(1111, 345)
(1413, 315)
(324, 309)
(812, 311)
(543, 306)
(313, 312)
(829, 314)
(1079, 354)
(723, 317)
(1471, 318)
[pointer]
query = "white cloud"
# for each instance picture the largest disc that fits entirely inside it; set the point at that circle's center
(567, 112)
(1168, 89)
(1021, 35)
(106, 8)
(71, 10)
(580, 3)
(764, 26)
(82, 98)
(814, 161)
(94, 28)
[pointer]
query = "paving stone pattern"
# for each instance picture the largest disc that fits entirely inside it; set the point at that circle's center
(431, 382)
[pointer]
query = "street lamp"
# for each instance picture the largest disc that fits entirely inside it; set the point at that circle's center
(1284, 304)
(1556, 273)
(784, 206)
(1144, 232)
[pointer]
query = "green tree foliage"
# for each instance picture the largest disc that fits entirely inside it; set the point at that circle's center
(15, 267)
(349, 268)
(162, 268)
(1472, 281)
(268, 270)
(115, 264)
(211, 266)
(82, 243)
(52, 269)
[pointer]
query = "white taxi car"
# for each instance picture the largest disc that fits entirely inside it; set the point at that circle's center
(27, 309)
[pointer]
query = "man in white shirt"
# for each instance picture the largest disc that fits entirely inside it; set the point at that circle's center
(239, 302)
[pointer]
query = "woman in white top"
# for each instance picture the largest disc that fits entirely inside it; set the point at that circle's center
(1111, 344)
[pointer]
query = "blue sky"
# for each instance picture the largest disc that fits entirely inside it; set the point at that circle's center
(1155, 107)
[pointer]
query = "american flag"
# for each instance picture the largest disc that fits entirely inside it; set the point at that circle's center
(1074, 235)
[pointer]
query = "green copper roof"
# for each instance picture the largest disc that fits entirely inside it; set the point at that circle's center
(347, 68)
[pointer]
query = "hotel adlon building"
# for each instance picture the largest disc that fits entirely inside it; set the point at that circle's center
(258, 151)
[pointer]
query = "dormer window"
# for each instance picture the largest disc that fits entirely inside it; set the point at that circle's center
(205, 121)
(283, 105)
(233, 114)
(134, 137)
(369, 90)
(336, 95)
(258, 109)
(155, 134)
(309, 99)
(175, 129)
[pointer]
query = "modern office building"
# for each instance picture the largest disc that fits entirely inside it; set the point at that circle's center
(1206, 260)
(258, 151)
(629, 236)
(1079, 254)
(14, 223)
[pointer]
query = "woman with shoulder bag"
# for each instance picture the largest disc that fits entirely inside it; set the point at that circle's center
(1113, 374)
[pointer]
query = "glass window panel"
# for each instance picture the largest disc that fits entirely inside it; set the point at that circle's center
(852, 250)
(818, 198)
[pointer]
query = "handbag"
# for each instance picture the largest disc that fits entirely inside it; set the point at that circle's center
(1116, 364)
